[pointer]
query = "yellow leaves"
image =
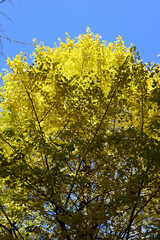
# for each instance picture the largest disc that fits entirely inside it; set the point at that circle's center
(72, 66)
(88, 30)
(64, 76)
(18, 63)
(76, 127)
(34, 41)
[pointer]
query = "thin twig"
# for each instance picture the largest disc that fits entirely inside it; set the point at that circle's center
(6, 141)
(2, 1)
(69, 194)
(16, 41)
(5, 15)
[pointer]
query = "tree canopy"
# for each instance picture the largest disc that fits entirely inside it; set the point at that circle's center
(80, 143)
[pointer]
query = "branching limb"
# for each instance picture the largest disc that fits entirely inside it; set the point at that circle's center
(69, 194)
(146, 202)
(134, 213)
(37, 119)
(9, 221)
(61, 223)
(108, 106)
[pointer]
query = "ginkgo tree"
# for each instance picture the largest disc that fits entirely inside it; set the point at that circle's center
(80, 143)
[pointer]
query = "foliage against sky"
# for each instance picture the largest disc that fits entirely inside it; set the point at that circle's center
(80, 146)
(137, 21)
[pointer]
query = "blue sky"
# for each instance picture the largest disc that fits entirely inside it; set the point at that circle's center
(137, 21)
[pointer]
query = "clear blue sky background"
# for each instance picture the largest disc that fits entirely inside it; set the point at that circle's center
(137, 21)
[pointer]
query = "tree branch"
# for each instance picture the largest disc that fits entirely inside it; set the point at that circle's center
(147, 202)
(7, 229)
(9, 221)
(112, 95)
(37, 119)
(61, 223)
(16, 41)
(2, 1)
(69, 194)
(6, 141)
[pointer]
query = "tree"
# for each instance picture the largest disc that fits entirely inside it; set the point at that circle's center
(80, 143)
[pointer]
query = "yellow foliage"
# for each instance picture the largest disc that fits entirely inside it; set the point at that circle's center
(79, 135)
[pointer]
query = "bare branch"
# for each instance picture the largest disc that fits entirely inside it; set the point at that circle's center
(2, 1)
(16, 41)
(5, 15)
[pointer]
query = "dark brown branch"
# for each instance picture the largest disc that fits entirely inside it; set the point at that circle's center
(2, 1)
(7, 229)
(5, 15)
(146, 202)
(6, 141)
(34, 110)
(128, 229)
(16, 41)
(69, 194)
(5, 1)
(89, 201)
(47, 112)
(133, 216)
(9, 221)
(104, 115)
(112, 95)
(61, 223)
(130, 221)
(47, 198)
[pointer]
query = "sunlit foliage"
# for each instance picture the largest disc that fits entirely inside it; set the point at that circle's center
(80, 143)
